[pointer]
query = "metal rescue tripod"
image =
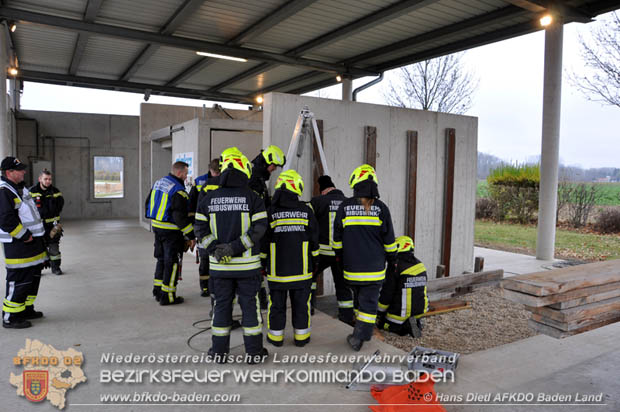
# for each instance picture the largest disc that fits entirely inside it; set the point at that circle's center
(306, 124)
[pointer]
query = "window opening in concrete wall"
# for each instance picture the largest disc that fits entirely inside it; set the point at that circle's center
(108, 172)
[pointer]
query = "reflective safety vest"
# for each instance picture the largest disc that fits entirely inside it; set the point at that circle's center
(28, 214)
(159, 205)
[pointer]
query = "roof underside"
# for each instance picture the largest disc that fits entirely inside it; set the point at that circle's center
(292, 46)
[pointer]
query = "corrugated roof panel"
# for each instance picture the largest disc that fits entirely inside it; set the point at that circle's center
(268, 78)
(224, 19)
(44, 47)
(217, 72)
(165, 64)
(148, 15)
(108, 55)
(66, 8)
(316, 20)
(294, 86)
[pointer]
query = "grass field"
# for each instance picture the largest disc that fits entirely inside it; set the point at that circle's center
(569, 244)
(609, 193)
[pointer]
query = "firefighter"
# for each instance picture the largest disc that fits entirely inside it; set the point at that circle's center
(21, 232)
(325, 207)
(363, 241)
(49, 201)
(262, 166)
(230, 223)
(403, 299)
(202, 184)
(293, 239)
(167, 205)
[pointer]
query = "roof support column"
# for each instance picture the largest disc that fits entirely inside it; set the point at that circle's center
(5, 143)
(550, 151)
(347, 89)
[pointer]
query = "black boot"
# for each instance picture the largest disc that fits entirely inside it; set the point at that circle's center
(254, 358)
(220, 358)
(354, 343)
(157, 293)
(30, 313)
(17, 323)
(56, 267)
(415, 330)
(164, 301)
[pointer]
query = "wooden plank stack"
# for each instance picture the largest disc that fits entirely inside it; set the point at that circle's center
(453, 286)
(568, 301)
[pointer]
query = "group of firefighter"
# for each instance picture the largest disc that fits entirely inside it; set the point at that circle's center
(245, 236)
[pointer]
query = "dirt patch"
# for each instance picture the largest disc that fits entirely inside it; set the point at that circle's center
(492, 321)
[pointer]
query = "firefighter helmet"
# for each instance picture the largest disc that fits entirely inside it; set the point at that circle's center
(232, 157)
(404, 244)
(292, 181)
(274, 155)
(363, 172)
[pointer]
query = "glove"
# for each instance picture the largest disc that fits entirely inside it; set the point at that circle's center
(223, 253)
(56, 231)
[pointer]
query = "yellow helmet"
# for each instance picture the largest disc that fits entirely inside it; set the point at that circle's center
(232, 157)
(404, 244)
(274, 155)
(292, 181)
(363, 172)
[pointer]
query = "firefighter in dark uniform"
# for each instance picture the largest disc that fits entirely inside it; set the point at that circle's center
(363, 241)
(202, 184)
(293, 240)
(21, 232)
(50, 202)
(403, 299)
(262, 166)
(230, 223)
(166, 206)
(325, 207)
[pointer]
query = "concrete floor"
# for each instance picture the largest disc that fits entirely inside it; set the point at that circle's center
(513, 263)
(103, 304)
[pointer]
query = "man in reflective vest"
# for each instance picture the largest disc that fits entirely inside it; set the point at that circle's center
(49, 201)
(230, 223)
(166, 206)
(21, 232)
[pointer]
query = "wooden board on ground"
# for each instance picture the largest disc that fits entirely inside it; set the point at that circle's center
(460, 291)
(453, 282)
(597, 297)
(573, 295)
(446, 305)
(588, 311)
(551, 282)
(559, 334)
(575, 324)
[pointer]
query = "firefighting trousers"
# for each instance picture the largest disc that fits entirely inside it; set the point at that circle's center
(400, 329)
(246, 289)
(300, 312)
(169, 245)
(365, 302)
(343, 292)
(22, 286)
(53, 251)
(203, 270)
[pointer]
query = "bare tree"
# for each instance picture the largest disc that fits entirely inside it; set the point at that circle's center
(442, 84)
(600, 51)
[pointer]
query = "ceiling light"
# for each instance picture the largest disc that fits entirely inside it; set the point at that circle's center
(546, 20)
(13, 27)
(13, 71)
(339, 78)
(259, 99)
(222, 56)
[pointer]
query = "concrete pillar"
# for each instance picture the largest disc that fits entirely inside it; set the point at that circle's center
(347, 89)
(5, 143)
(550, 151)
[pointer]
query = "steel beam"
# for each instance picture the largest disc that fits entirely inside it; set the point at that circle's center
(92, 8)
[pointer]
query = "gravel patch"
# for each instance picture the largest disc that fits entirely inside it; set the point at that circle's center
(492, 321)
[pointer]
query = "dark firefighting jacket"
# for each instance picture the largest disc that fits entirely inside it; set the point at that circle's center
(364, 240)
(232, 214)
(259, 177)
(404, 292)
(325, 208)
(292, 242)
(202, 184)
(167, 205)
(49, 203)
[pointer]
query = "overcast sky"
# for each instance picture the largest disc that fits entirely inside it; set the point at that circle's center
(508, 103)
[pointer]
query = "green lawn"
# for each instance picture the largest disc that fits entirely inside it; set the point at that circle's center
(569, 244)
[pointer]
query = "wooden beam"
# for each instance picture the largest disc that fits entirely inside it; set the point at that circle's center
(446, 252)
(460, 281)
(370, 137)
(559, 334)
(588, 311)
(446, 305)
(584, 295)
(412, 179)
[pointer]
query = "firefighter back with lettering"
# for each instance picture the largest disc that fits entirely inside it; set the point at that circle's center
(230, 223)
(364, 239)
(293, 249)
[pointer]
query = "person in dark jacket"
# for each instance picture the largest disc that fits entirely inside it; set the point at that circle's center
(325, 207)
(166, 206)
(262, 166)
(293, 240)
(21, 233)
(203, 184)
(230, 223)
(403, 299)
(364, 241)
(50, 202)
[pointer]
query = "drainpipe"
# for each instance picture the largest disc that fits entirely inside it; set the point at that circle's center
(366, 86)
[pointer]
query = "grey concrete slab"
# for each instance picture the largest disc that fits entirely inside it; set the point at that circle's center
(513, 263)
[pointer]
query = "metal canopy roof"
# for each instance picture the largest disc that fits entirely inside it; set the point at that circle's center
(292, 46)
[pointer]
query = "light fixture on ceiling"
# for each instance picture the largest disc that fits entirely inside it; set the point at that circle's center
(259, 99)
(339, 78)
(13, 27)
(546, 20)
(13, 71)
(221, 56)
